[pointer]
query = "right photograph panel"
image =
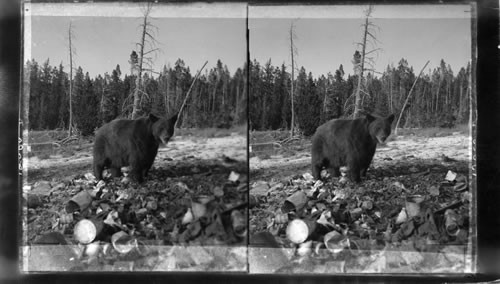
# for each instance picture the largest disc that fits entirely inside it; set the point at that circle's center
(362, 139)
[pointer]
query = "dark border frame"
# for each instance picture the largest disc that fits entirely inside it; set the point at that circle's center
(487, 147)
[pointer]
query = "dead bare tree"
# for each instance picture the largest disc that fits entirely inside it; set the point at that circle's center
(71, 51)
(146, 46)
(407, 98)
(293, 51)
(361, 60)
(187, 94)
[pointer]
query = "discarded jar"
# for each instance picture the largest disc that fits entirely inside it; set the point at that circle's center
(460, 186)
(81, 201)
(305, 248)
(65, 218)
(296, 202)
(86, 231)
(402, 216)
(299, 230)
(239, 223)
(412, 205)
(335, 242)
(281, 218)
(367, 205)
(451, 222)
(93, 249)
(355, 213)
(123, 242)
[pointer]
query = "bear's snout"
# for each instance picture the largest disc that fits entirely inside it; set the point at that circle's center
(165, 140)
(382, 138)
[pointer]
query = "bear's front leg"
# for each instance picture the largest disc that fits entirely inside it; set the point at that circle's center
(137, 171)
(334, 171)
(137, 175)
(354, 170)
(316, 171)
(363, 172)
(145, 173)
(115, 172)
(98, 168)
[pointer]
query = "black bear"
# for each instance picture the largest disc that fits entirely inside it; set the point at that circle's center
(134, 143)
(348, 142)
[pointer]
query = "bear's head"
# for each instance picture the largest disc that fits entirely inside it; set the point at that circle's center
(380, 127)
(163, 128)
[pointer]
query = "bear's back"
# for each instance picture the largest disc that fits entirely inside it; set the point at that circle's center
(121, 138)
(124, 128)
(342, 129)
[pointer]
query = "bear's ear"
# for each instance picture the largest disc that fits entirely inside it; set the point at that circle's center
(363, 112)
(369, 117)
(390, 118)
(153, 118)
(173, 119)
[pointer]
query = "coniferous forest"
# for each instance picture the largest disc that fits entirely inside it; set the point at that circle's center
(440, 96)
(218, 99)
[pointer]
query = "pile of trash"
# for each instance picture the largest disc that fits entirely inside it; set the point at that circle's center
(196, 220)
(412, 223)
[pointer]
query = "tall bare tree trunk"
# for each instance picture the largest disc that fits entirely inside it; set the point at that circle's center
(461, 101)
(213, 97)
(179, 113)
(390, 92)
(70, 128)
(138, 79)
(165, 101)
(447, 92)
(357, 104)
(437, 95)
(407, 98)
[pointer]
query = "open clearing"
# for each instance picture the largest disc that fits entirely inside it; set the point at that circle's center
(278, 166)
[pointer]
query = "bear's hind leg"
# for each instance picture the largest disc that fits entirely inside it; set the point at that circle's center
(98, 168)
(363, 172)
(318, 166)
(139, 175)
(355, 174)
(316, 171)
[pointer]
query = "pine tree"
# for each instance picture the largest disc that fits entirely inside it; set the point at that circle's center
(308, 106)
(255, 98)
(45, 95)
(34, 98)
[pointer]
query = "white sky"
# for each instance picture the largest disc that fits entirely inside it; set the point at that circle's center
(105, 34)
(326, 36)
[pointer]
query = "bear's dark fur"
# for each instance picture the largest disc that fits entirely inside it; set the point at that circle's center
(134, 143)
(351, 143)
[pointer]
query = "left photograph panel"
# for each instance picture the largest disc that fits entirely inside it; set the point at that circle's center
(134, 137)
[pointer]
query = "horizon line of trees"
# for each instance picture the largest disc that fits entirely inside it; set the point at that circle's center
(217, 98)
(220, 100)
(440, 98)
